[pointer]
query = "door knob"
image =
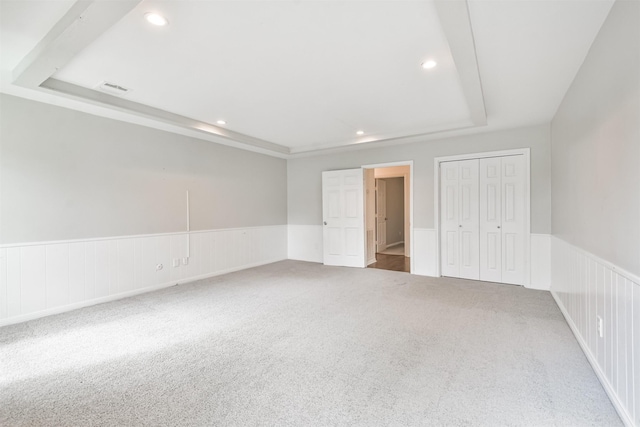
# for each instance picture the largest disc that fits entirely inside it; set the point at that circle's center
(498, 226)
(460, 226)
(325, 223)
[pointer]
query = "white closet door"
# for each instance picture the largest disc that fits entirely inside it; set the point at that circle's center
(449, 223)
(469, 266)
(491, 219)
(459, 239)
(343, 211)
(483, 219)
(513, 220)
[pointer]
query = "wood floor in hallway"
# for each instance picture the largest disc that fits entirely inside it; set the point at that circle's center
(392, 262)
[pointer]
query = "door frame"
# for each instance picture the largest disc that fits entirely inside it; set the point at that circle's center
(526, 152)
(411, 239)
(377, 212)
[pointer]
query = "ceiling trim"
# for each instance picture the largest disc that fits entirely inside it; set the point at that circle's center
(78, 28)
(389, 142)
(124, 105)
(375, 141)
(456, 24)
(88, 19)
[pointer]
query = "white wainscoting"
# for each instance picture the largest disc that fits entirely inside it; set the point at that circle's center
(305, 243)
(540, 262)
(39, 279)
(585, 287)
(426, 258)
(424, 252)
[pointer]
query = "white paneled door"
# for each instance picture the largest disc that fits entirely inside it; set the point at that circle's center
(343, 218)
(459, 217)
(482, 216)
(449, 223)
(513, 220)
(490, 219)
(381, 215)
(468, 216)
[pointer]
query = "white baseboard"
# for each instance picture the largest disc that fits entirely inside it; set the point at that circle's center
(40, 279)
(390, 245)
(594, 364)
(88, 303)
(586, 287)
(82, 304)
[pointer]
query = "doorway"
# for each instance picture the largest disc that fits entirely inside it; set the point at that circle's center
(348, 208)
(387, 212)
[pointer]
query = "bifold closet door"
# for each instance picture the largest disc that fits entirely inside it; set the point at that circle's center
(491, 219)
(459, 239)
(482, 214)
(502, 219)
(513, 220)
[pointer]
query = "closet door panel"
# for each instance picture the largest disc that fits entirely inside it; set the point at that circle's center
(490, 219)
(449, 235)
(469, 265)
(513, 220)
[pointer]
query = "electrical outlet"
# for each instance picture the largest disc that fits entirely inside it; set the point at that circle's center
(599, 326)
(176, 262)
(185, 260)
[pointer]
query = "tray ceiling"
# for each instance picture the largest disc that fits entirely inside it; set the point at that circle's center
(292, 76)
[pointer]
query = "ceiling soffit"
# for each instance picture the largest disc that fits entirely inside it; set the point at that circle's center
(86, 21)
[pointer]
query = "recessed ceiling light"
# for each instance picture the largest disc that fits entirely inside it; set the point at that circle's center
(429, 64)
(360, 132)
(156, 19)
(221, 122)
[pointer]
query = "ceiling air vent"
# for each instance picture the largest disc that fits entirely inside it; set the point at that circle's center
(113, 89)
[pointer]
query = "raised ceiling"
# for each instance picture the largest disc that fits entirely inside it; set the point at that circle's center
(302, 76)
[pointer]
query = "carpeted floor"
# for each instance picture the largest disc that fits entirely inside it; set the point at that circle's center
(300, 344)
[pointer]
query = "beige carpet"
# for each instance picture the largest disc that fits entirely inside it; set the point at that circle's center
(394, 250)
(300, 344)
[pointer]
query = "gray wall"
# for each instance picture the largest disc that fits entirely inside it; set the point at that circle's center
(305, 190)
(596, 146)
(395, 210)
(69, 175)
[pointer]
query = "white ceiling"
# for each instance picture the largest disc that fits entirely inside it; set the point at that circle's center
(293, 76)
(23, 24)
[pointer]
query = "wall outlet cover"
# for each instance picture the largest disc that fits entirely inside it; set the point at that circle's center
(599, 326)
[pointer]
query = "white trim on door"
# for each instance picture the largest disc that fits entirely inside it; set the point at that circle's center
(411, 239)
(526, 152)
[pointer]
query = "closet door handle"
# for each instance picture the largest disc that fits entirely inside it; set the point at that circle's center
(498, 226)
